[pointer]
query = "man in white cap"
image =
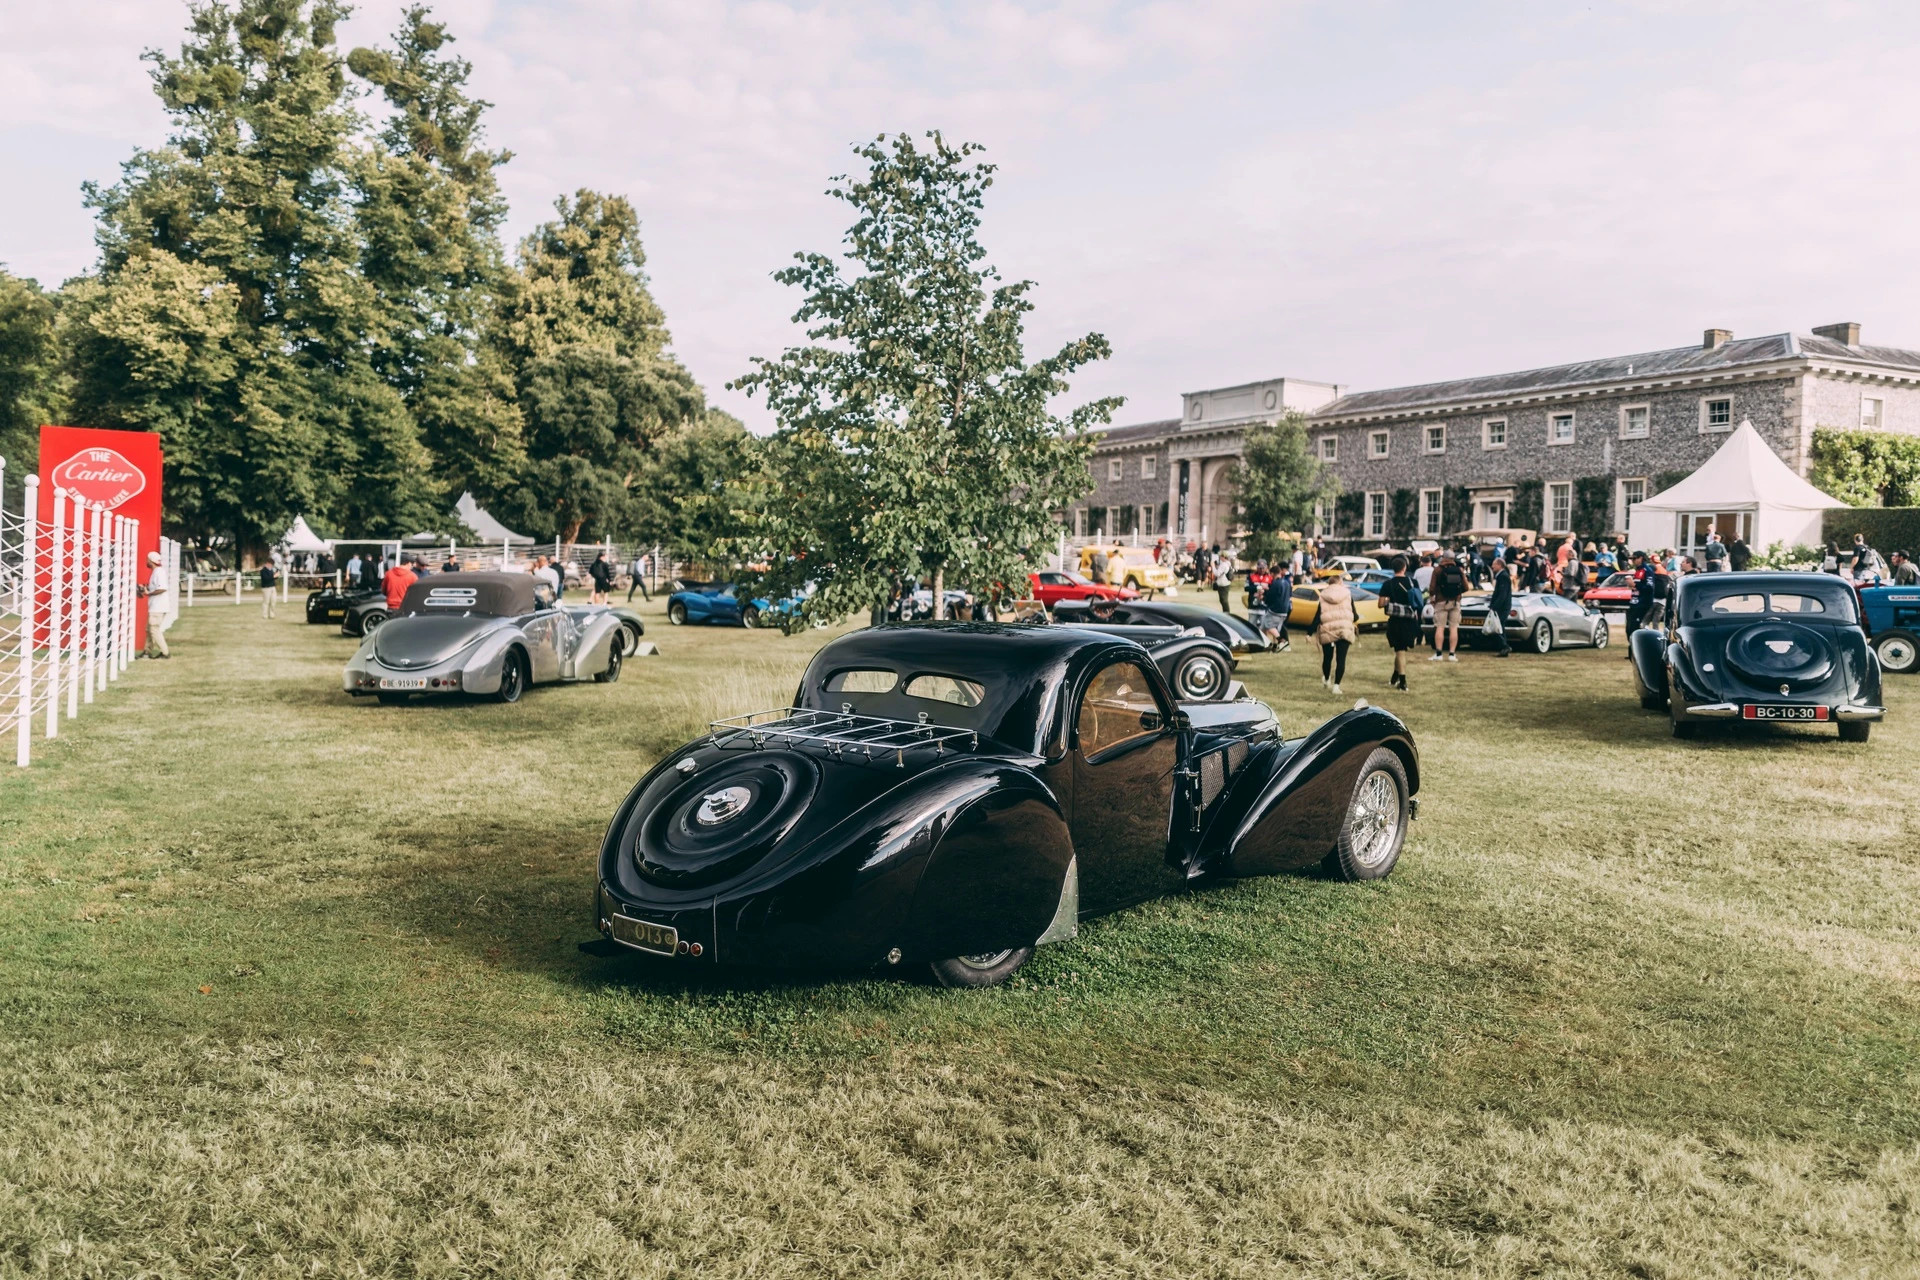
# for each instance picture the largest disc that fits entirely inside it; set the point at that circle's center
(155, 591)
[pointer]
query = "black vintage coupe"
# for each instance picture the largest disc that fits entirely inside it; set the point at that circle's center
(953, 795)
(1760, 648)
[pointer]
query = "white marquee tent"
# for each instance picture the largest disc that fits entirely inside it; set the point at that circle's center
(492, 532)
(1744, 490)
(299, 538)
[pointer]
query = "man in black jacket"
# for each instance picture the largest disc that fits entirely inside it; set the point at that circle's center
(1501, 604)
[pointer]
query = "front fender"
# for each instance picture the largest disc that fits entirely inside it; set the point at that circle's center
(1285, 809)
(1648, 649)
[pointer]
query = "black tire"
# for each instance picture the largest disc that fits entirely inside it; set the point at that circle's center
(677, 613)
(1855, 730)
(612, 673)
(513, 677)
(1899, 652)
(980, 971)
(1199, 677)
(749, 617)
(391, 699)
(1375, 826)
(371, 621)
(1602, 634)
(1542, 636)
(1684, 729)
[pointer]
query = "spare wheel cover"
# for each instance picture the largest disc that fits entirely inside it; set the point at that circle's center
(1774, 653)
(722, 820)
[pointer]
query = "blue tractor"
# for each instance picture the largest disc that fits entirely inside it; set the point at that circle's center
(1892, 615)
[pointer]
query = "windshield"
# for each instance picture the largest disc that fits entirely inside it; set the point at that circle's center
(1803, 600)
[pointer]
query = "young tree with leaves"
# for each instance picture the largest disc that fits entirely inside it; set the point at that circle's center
(30, 387)
(914, 438)
(1277, 482)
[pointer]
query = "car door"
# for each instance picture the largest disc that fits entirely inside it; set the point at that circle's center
(1125, 755)
(543, 631)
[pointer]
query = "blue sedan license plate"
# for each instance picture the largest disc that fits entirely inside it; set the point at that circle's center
(1783, 711)
(659, 938)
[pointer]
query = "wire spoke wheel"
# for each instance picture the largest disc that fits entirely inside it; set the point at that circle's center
(1375, 827)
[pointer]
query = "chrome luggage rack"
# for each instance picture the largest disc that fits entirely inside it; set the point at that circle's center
(841, 734)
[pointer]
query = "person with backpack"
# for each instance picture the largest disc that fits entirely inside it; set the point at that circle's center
(1573, 578)
(1449, 584)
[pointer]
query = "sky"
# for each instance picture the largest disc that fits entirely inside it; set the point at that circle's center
(1359, 192)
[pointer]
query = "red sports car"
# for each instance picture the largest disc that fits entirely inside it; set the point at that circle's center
(1615, 591)
(1050, 588)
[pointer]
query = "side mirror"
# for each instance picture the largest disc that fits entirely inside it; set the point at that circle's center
(1150, 721)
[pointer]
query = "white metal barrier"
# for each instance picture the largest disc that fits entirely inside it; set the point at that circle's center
(69, 590)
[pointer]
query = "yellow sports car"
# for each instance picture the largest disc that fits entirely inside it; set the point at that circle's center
(1130, 567)
(1367, 611)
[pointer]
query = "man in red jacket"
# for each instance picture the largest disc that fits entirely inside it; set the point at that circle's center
(399, 578)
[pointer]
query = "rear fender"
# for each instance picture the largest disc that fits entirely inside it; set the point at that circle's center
(968, 858)
(594, 648)
(1284, 811)
(480, 672)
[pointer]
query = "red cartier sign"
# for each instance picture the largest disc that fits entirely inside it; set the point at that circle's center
(117, 470)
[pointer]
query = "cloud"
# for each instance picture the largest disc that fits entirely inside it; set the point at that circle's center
(1366, 192)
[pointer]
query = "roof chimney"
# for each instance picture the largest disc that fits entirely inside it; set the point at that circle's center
(1847, 334)
(1715, 338)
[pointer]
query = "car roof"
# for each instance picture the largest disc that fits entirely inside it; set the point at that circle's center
(1026, 671)
(494, 595)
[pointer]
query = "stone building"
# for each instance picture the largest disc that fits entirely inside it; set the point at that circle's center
(1564, 449)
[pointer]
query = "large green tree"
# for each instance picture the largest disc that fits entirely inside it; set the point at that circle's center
(1277, 483)
(597, 386)
(914, 438)
(694, 486)
(30, 390)
(332, 361)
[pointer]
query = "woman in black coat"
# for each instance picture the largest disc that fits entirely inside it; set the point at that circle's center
(1502, 603)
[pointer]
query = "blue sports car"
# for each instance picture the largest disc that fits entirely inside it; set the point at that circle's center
(716, 602)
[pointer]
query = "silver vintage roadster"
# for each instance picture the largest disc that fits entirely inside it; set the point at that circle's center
(491, 634)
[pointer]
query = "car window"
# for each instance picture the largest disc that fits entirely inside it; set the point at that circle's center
(1742, 603)
(865, 680)
(1075, 580)
(961, 693)
(1053, 579)
(1110, 713)
(1785, 603)
(1306, 593)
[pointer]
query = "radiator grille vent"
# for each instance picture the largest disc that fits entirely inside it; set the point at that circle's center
(1213, 776)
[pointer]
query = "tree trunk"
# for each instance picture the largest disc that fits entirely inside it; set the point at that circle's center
(939, 592)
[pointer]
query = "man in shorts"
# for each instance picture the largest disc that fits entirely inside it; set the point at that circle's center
(1448, 585)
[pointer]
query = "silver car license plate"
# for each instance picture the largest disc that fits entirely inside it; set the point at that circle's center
(1783, 711)
(647, 936)
(403, 682)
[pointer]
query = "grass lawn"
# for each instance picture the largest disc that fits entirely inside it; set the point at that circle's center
(289, 986)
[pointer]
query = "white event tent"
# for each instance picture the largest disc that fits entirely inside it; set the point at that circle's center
(299, 538)
(1744, 490)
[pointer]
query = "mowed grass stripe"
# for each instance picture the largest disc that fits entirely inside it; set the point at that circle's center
(1609, 964)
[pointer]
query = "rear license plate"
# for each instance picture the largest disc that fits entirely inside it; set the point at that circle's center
(659, 938)
(403, 682)
(1778, 711)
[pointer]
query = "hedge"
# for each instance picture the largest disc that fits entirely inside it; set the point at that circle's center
(1867, 468)
(1888, 529)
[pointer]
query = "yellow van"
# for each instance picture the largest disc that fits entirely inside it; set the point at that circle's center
(1129, 567)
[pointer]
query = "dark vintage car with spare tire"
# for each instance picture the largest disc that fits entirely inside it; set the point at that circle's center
(1760, 648)
(950, 796)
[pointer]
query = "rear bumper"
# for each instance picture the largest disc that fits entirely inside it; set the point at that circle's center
(1731, 711)
(1859, 713)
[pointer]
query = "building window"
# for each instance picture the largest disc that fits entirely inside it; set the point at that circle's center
(1430, 512)
(1079, 522)
(1633, 421)
(1146, 521)
(1115, 468)
(1149, 467)
(1437, 439)
(1112, 524)
(1322, 518)
(1560, 508)
(1330, 448)
(1716, 414)
(1493, 433)
(1560, 428)
(1631, 491)
(1870, 411)
(1376, 515)
(1378, 443)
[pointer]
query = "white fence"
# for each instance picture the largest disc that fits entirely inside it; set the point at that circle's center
(68, 590)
